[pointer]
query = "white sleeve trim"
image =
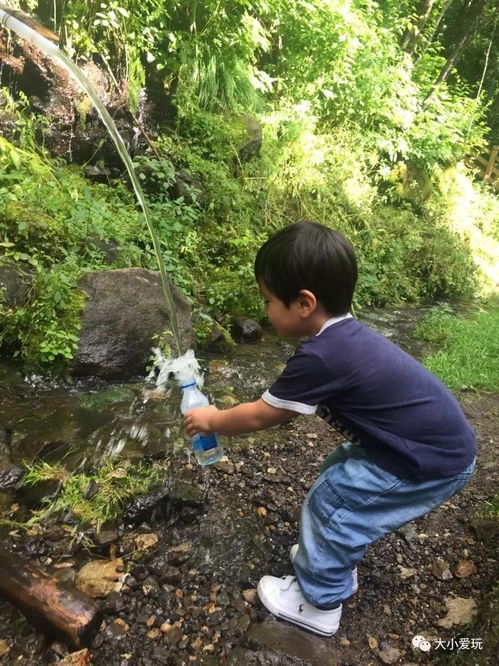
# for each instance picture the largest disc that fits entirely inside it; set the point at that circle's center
(299, 407)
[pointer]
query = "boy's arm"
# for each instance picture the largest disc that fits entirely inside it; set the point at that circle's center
(246, 417)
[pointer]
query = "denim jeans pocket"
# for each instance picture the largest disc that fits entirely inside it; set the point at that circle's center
(324, 501)
(350, 485)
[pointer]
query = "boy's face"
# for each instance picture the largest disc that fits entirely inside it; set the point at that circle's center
(287, 321)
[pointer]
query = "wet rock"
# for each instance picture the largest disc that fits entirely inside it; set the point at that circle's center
(67, 576)
(180, 553)
(124, 310)
(10, 478)
(145, 542)
(113, 603)
(106, 536)
(441, 570)
(244, 657)
(173, 495)
(150, 587)
(34, 495)
(244, 329)
(164, 571)
(460, 611)
(101, 577)
(91, 490)
(292, 642)
(10, 475)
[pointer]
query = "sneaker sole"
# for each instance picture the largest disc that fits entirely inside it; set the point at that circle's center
(272, 608)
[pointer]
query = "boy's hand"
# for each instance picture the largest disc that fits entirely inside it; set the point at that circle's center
(199, 419)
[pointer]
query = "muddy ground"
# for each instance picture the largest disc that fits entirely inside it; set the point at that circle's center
(190, 598)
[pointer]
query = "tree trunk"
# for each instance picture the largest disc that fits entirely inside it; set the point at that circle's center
(413, 33)
(59, 612)
(472, 15)
(443, 12)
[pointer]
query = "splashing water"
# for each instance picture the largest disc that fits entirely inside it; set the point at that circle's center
(182, 368)
(9, 18)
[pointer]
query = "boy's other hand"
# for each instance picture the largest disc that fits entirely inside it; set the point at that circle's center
(199, 420)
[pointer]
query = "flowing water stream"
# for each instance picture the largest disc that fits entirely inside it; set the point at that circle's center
(90, 419)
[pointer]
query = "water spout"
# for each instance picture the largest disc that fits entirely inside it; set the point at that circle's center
(15, 21)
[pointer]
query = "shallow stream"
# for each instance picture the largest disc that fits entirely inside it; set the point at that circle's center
(85, 420)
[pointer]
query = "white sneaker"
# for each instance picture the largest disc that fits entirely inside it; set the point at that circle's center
(284, 599)
(355, 581)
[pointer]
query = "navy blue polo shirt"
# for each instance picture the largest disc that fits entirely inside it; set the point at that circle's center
(380, 397)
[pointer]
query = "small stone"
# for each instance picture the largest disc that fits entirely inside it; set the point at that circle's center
(173, 632)
(312, 435)
(145, 542)
(150, 587)
(465, 569)
(372, 642)
(121, 624)
(197, 643)
(389, 655)
(79, 658)
(100, 577)
(261, 511)
(225, 467)
(4, 648)
(153, 634)
(209, 648)
(440, 569)
(250, 596)
(406, 573)
(243, 623)
(344, 641)
(387, 610)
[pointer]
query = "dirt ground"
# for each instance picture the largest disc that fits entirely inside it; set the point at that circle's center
(190, 598)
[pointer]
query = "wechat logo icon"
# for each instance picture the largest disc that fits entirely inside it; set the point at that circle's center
(421, 643)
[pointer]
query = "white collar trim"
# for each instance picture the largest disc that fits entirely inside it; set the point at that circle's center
(333, 320)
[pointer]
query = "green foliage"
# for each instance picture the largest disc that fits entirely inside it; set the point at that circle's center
(349, 139)
(466, 352)
(117, 482)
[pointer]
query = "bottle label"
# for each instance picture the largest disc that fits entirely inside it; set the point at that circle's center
(208, 441)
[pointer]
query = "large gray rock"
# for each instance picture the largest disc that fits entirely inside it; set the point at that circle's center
(16, 281)
(124, 310)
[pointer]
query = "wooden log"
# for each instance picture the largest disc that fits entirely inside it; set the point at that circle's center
(58, 611)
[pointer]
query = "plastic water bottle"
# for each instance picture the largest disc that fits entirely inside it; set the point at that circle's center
(206, 447)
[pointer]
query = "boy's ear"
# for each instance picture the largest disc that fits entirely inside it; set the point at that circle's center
(307, 302)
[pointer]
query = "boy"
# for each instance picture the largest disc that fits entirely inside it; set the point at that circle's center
(410, 447)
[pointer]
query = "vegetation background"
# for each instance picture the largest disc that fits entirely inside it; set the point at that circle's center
(371, 114)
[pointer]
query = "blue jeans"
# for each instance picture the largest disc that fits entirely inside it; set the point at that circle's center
(352, 504)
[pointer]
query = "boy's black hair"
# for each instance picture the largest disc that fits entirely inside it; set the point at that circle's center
(308, 255)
